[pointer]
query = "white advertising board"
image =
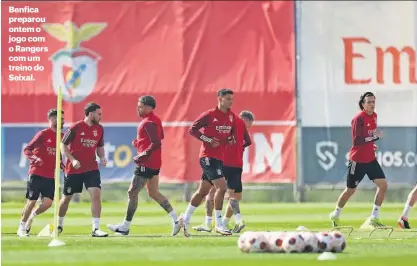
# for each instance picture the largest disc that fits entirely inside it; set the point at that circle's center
(348, 48)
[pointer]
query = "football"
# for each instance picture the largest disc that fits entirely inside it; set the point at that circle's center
(325, 242)
(275, 240)
(311, 243)
(255, 242)
(241, 242)
(293, 243)
(339, 242)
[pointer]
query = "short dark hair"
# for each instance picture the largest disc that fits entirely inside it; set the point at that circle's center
(224, 92)
(362, 98)
(248, 115)
(53, 113)
(91, 107)
(148, 100)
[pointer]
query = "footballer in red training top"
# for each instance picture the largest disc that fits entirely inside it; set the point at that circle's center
(148, 162)
(233, 167)
(80, 144)
(362, 160)
(232, 170)
(233, 159)
(41, 153)
(217, 128)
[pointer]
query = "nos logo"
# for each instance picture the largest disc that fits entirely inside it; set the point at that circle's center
(326, 152)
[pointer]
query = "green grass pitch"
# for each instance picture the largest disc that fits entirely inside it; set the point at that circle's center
(150, 243)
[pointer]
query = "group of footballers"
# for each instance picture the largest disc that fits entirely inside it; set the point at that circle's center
(224, 137)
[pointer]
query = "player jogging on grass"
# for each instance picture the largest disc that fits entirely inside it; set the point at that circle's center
(232, 169)
(148, 163)
(362, 160)
(411, 200)
(80, 144)
(217, 127)
(41, 153)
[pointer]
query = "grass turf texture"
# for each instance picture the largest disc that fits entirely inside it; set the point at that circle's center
(150, 243)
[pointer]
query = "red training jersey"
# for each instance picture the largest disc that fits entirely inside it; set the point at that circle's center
(233, 155)
(149, 138)
(43, 146)
(363, 130)
(214, 124)
(83, 141)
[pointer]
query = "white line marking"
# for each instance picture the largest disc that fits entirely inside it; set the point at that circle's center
(165, 124)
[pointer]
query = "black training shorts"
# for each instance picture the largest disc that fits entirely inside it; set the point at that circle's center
(39, 185)
(357, 172)
(233, 177)
(145, 172)
(73, 183)
(212, 169)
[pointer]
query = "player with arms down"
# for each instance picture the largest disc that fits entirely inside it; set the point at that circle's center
(41, 153)
(148, 162)
(218, 127)
(362, 160)
(80, 144)
(232, 169)
(411, 200)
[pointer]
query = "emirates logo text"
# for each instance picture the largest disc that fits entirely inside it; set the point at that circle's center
(90, 143)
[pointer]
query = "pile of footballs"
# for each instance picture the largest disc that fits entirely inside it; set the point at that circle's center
(292, 242)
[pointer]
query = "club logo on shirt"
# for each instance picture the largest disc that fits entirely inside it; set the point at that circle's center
(95, 133)
(89, 143)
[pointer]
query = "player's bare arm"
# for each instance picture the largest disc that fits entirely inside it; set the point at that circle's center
(66, 140)
(100, 152)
